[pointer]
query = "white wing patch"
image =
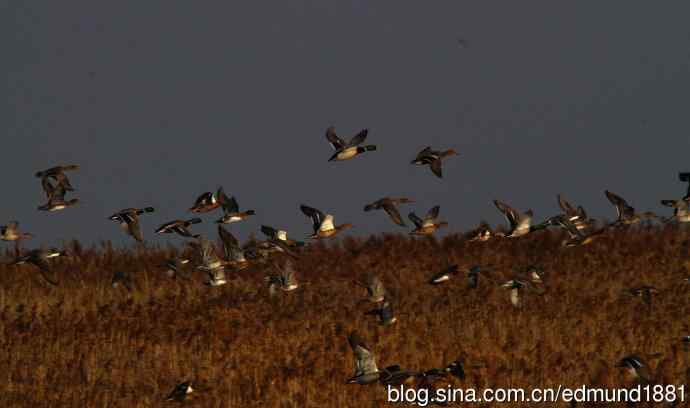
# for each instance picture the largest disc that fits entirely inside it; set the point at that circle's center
(327, 223)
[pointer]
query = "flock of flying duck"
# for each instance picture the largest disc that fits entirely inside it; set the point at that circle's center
(581, 230)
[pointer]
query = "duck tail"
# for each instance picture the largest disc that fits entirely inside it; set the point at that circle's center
(194, 221)
(149, 209)
(73, 201)
(250, 212)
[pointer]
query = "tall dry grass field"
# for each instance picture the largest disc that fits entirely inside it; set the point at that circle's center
(87, 344)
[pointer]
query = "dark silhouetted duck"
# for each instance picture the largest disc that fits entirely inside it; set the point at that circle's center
(626, 213)
(40, 258)
(121, 279)
(175, 267)
(636, 368)
(57, 173)
(181, 227)
(180, 392)
(129, 221)
(388, 205)
(433, 159)
(445, 274)
(56, 198)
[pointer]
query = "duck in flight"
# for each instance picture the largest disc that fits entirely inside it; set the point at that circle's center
(129, 221)
(210, 262)
(234, 254)
(347, 150)
(11, 233)
(40, 258)
(57, 173)
(181, 227)
(376, 292)
(520, 223)
(231, 211)
(180, 392)
(578, 216)
(626, 213)
(207, 201)
(323, 224)
(429, 224)
(285, 279)
(681, 207)
(56, 198)
(366, 371)
(636, 368)
(433, 159)
(280, 237)
(389, 205)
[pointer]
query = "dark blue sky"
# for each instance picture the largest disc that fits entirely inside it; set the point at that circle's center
(159, 101)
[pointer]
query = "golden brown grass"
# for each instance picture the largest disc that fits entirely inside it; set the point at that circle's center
(86, 344)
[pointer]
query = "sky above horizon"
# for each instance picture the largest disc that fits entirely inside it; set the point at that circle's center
(159, 101)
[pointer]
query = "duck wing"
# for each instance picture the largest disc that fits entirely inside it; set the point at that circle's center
(510, 214)
(316, 216)
(432, 214)
(393, 213)
(359, 138)
(623, 209)
(436, 167)
(418, 222)
(336, 142)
